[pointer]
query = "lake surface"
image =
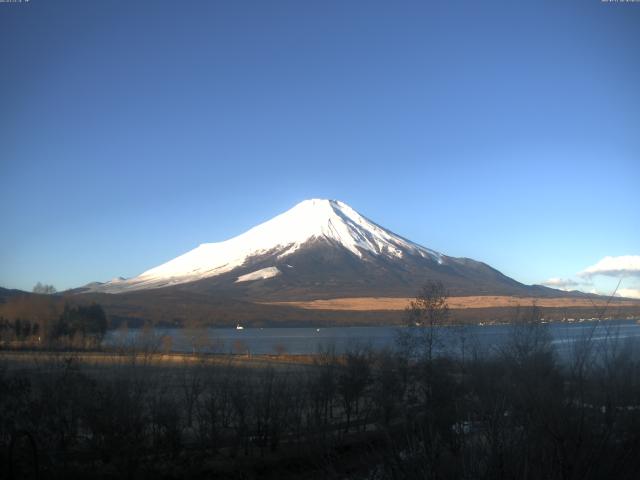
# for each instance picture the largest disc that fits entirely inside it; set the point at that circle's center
(307, 340)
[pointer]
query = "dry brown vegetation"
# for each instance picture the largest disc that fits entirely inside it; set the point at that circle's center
(40, 309)
(26, 359)
(491, 301)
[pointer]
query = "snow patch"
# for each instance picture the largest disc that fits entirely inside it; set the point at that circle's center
(261, 274)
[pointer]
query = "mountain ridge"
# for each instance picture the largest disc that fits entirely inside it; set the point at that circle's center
(318, 249)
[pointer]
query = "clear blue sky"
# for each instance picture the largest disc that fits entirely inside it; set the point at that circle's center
(130, 132)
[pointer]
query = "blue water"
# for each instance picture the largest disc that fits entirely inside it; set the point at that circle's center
(306, 340)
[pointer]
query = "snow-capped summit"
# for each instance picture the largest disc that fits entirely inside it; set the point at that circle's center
(315, 220)
(317, 249)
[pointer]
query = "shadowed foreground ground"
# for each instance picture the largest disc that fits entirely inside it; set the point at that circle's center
(518, 413)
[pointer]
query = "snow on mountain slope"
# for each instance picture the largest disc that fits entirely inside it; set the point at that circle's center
(261, 274)
(315, 219)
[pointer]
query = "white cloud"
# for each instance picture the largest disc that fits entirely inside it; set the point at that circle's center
(561, 283)
(625, 265)
(629, 292)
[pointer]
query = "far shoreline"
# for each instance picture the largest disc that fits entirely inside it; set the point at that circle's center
(455, 303)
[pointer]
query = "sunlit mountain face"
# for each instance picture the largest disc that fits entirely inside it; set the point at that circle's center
(318, 249)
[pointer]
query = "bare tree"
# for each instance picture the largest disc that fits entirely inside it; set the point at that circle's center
(44, 289)
(192, 386)
(428, 311)
(353, 379)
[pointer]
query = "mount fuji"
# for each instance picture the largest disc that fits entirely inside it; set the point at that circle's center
(318, 249)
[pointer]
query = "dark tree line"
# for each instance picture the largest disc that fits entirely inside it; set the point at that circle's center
(84, 320)
(20, 329)
(75, 325)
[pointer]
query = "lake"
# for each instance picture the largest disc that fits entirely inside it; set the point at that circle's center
(308, 340)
